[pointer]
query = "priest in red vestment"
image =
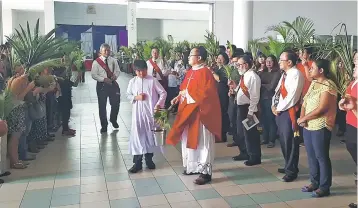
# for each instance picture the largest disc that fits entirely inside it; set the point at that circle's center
(198, 122)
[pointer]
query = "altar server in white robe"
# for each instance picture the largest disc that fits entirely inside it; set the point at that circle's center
(146, 94)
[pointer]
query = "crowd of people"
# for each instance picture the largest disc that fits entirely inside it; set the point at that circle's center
(39, 111)
(292, 97)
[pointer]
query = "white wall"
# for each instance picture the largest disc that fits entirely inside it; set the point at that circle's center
(325, 15)
(192, 31)
(1, 23)
(223, 21)
(76, 14)
(148, 29)
(21, 17)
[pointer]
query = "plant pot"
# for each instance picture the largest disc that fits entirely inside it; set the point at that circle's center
(159, 137)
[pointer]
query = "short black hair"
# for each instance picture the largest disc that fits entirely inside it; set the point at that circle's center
(240, 51)
(156, 48)
(291, 56)
(140, 65)
(222, 49)
(247, 60)
(226, 58)
(202, 52)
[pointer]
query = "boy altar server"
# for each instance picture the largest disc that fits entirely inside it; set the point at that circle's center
(146, 94)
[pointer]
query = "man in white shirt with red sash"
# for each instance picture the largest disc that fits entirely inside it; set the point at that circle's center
(285, 105)
(105, 70)
(158, 69)
(247, 99)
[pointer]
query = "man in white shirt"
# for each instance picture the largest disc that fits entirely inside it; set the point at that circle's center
(247, 99)
(158, 69)
(105, 71)
(285, 105)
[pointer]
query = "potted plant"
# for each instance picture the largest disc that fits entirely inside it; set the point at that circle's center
(161, 120)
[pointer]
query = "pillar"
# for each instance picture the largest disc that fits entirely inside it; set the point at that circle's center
(242, 23)
(49, 14)
(7, 19)
(132, 23)
(221, 21)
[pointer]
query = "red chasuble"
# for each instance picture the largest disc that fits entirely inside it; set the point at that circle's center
(206, 109)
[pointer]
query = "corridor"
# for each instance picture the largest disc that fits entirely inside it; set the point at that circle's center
(90, 171)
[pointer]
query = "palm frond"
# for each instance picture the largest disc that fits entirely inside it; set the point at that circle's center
(301, 31)
(282, 30)
(212, 47)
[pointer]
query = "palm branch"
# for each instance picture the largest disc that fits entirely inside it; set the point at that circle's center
(282, 30)
(275, 47)
(228, 44)
(161, 118)
(212, 47)
(33, 48)
(147, 49)
(228, 70)
(254, 46)
(300, 31)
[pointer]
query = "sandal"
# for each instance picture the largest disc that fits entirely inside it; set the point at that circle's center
(309, 188)
(18, 165)
(319, 193)
(24, 162)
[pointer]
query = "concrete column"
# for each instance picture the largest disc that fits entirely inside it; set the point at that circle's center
(7, 19)
(222, 21)
(49, 14)
(242, 23)
(132, 23)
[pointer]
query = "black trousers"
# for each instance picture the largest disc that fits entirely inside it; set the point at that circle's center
(250, 138)
(105, 91)
(290, 146)
(137, 159)
(237, 131)
(351, 142)
(341, 117)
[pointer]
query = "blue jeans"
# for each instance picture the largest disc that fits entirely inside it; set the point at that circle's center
(268, 121)
(317, 148)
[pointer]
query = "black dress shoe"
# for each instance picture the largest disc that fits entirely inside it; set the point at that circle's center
(150, 165)
(50, 139)
(288, 178)
(352, 205)
(51, 135)
(115, 125)
(281, 170)
(135, 169)
(241, 157)
(103, 130)
(203, 179)
(252, 162)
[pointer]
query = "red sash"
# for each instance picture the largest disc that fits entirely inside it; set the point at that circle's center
(164, 81)
(243, 87)
(106, 68)
(291, 111)
(156, 68)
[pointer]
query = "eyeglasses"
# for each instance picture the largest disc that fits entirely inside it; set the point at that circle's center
(282, 60)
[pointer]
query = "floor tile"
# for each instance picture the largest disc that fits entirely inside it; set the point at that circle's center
(65, 200)
(229, 190)
(265, 198)
(68, 190)
(94, 197)
(290, 195)
(117, 177)
(121, 194)
(152, 200)
(148, 190)
(239, 201)
(189, 204)
(128, 203)
(253, 188)
(10, 204)
(213, 203)
(119, 185)
(275, 205)
(100, 204)
(205, 194)
(178, 197)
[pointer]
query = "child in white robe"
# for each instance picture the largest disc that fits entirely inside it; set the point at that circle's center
(146, 94)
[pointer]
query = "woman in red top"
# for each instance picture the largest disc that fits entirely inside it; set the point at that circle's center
(349, 104)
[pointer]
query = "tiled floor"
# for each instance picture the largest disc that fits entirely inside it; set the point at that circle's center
(90, 170)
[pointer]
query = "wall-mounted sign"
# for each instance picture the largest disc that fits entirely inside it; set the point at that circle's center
(91, 9)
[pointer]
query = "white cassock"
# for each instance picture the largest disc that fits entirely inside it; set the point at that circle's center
(198, 160)
(141, 140)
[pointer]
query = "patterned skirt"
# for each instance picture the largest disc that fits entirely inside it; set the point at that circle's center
(38, 130)
(16, 120)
